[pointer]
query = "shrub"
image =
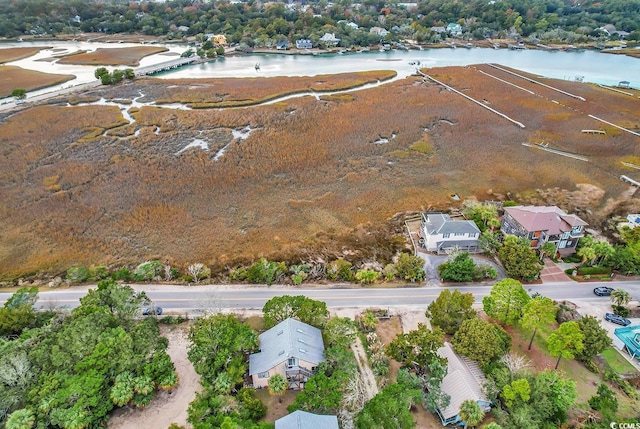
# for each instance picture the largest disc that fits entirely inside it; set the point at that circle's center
(238, 274)
(410, 267)
(265, 271)
(77, 274)
(621, 310)
(98, 272)
(340, 270)
(509, 204)
(587, 271)
(390, 271)
(148, 270)
(299, 273)
(123, 274)
(367, 276)
(172, 320)
(484, 271)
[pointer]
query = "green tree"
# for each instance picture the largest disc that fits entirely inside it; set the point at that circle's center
(620, 297)
(321, 394)
(566, 341)
(450, 309)
(460, 269)
(518, 390)
(19, 94)
(481, 341)
(277, 386)
(307, 310)
(410, 268)
(340, 331)
(21, 419)
(77, 274)
(506, 301)
(417, 348)
(596, 339)
(485, 216)
(604, 401)
(538, 313)
(389, 409)
(368, 321)
(471, 413)
(100, 71)
(219, 344)
(340, 270)
(120, 300)
(547, 249)
(519, 259)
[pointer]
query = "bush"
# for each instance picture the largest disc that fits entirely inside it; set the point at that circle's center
(98, 272)
(172, 320)
(238, 274)
(265, 271)
(148, 270)
(621, 310)
(340, 270)
(482, 272)
(77, 274)
(367, 276)
(509, 203)
(410, 268)
(123, 274)
(390, 271)
(587, 271)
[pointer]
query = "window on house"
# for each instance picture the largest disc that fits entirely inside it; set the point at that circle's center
(446, 235)
(263, 374)
(292, 361)
(458, 234)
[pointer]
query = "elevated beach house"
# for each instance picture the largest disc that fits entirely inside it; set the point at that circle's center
(542, 224)
(304, 420)
(292, 349)
(439, 233)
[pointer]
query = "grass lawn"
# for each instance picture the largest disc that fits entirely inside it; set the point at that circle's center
(617, 362)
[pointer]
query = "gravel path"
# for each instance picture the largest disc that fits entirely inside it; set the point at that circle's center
(368, 379)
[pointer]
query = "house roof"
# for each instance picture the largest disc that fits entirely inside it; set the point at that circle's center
(289, 338)
(464, 380)
(303, 420)
(544, 218)
(440, 223)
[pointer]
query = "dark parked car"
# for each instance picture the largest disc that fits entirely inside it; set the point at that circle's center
(148, 311)
(618, 320)
(603, 291)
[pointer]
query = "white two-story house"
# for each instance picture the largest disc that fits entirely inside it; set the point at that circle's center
(439, 233)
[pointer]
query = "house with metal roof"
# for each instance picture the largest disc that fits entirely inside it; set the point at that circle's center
(541, 224)
(304, 420)
(439, 233)
(464, 381)
(628, 339)
(292, 349)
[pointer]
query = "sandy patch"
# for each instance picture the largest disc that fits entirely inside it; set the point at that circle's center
(167, 407)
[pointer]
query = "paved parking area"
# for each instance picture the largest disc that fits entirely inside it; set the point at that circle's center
(552, 273)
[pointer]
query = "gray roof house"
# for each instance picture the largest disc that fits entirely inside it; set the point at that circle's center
(464, 381)
(439, 233)
(292, 349)
(304, 420)
(541, 224)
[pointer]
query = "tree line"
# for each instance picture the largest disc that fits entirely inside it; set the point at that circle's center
(258, 24)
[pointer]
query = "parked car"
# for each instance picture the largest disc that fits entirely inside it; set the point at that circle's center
(618, 320)
(149, 311)
(603, 291)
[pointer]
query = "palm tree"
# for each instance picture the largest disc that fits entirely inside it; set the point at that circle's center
(620, 297)
(471, 413)
(277, 386)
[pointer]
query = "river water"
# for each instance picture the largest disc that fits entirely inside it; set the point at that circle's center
(592, 66)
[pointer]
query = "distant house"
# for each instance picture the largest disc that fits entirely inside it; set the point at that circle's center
(441, 233)
(379, 31)
(304, 420)
(282, 46)
(292, 349)
(464, 381)
(183, 28)
(624, 84)
(217, 39)
(633, 221)
(438, 30)
(454, 29)
(303, 44)
(542, 224)
(353, 25)
(330, 39)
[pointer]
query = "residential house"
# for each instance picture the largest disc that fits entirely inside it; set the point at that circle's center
(304, 420)
(438, 30)
(542, 224)
(303, 44)
(624, 84)
(282, 46)
(633, 221)
(379, 31)
(454, 29)
(440, 233)
(628, 339)
(352, 25)
(464, 381)
(330, 39)
(292, 349)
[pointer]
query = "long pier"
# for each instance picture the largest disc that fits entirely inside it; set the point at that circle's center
(164, 66)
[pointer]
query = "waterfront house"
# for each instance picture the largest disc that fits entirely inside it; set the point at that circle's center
(439, 233)
(292, 349)
(304, 420)
(330, 39)
(542, 224)
(282, 46)
(379, 31)
(464, 381)
(454, 29)
(628, 339)
(303, 44)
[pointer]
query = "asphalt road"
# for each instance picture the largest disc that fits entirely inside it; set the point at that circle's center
(180, 299)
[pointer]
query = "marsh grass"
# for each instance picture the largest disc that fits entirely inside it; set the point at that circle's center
(12, 77)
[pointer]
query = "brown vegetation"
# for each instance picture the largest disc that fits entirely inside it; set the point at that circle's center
(310, 182)
(14, 54)
(12, 77)
(113, 56)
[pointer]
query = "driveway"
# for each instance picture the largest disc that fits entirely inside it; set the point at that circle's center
(553, 273)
